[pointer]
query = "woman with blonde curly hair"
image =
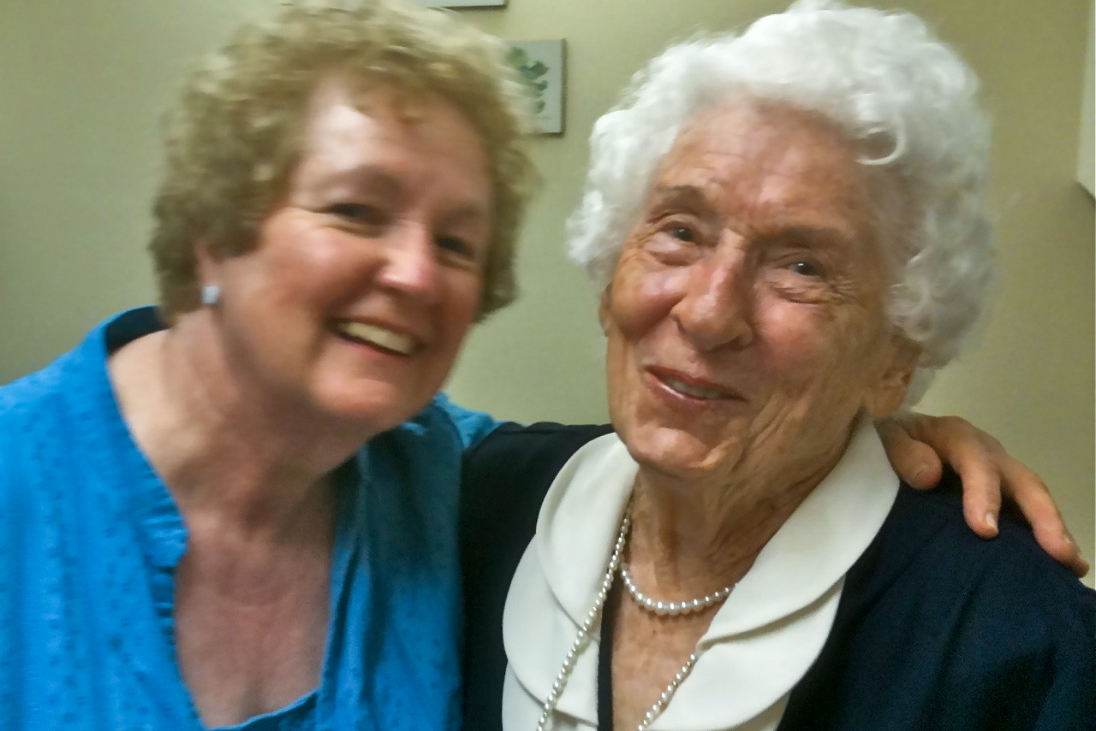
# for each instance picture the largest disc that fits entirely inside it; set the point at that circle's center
(197, 535)
(240, 509)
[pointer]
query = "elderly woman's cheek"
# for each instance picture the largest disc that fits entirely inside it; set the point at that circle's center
(640, 295)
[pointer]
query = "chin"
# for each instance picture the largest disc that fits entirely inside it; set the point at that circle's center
(675, 451)
(376, 409)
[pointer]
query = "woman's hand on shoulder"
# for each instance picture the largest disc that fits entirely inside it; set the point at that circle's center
(918, 445)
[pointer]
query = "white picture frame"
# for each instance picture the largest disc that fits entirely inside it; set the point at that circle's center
(543, 65)
(1086, 149)
(461, 3)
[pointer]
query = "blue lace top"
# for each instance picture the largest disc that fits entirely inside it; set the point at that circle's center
(90, 538)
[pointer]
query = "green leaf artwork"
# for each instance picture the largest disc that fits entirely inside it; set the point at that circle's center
(531, 71)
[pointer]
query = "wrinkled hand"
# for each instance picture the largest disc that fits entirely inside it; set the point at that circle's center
(917, 445)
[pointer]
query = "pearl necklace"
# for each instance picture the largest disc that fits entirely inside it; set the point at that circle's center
(594, 614)
(664, 609)
(584, 631)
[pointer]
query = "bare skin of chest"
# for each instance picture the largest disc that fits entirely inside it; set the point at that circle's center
(647, 652)
(250, 625)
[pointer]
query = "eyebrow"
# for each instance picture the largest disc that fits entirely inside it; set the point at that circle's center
(822, 234)
(692, 196)
(378, 179)
(689, 195)
(372, 176)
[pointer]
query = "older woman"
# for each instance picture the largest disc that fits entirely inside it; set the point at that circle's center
(790, 232)
(191, 532)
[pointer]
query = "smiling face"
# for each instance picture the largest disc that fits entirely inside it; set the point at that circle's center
(745, 319)
(356, 299)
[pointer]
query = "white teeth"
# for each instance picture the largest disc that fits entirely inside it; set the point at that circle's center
(379, 336)
(694, 391)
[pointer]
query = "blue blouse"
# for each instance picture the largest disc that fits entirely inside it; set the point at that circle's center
(90, 538)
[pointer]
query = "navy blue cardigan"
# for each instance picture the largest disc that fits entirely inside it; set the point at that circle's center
(936, 629)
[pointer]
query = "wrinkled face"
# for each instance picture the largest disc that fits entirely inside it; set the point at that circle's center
(745, 319)
(365, 280)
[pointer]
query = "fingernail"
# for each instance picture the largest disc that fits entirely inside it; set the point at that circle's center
(991, 520)
(921, 473)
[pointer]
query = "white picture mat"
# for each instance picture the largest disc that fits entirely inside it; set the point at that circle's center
(550, 53)
(1086, 155)
(461, 3)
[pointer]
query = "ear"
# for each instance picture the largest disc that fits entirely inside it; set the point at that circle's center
(205, 265)
(886, 395)
(603, 307)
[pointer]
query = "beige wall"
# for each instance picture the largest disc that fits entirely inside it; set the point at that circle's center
(82, 85)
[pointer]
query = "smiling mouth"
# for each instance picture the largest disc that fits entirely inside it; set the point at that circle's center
(376, 336)
(692, 390)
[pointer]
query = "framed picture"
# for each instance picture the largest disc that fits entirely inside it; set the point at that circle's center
(541, 64)
(462, 3)
(1086, 156)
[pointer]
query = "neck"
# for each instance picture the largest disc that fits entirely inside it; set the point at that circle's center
(692, 537)
(227, 452)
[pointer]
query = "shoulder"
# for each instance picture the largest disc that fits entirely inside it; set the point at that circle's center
(532, 451)
(974, 633)
(926, 556)
(444, 420)
(20, 400)
(959, 621)
(927, 534)
(505, 479)
(508, 473)
(61, 422)
(29, 398)
(37, 405)
(471, 426)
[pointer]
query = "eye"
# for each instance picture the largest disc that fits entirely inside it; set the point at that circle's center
(804, 269)
(681, 232)
(361, 213)
(673, 238)
(457, 248)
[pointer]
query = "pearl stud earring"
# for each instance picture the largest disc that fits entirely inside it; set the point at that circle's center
(211, 295)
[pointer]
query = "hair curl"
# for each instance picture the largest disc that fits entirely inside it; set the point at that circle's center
(903, 96)
(235, 137)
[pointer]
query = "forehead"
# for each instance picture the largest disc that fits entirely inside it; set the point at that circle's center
(338, 95)
(347, 125)
(762, 160)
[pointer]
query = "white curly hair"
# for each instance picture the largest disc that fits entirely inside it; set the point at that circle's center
(902, 95)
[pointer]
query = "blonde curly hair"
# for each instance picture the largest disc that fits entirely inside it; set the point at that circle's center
(234, 139)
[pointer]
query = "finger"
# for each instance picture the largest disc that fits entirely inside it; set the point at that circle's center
(1079, 566)
(1065, 550)
(975, 457)
(981, 491)
(915, 462)
(1033, 498)
(987, 471)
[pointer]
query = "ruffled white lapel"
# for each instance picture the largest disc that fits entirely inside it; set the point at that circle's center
(760, 643)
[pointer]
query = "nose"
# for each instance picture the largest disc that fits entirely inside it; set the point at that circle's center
(410, 265)
(716, 308)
